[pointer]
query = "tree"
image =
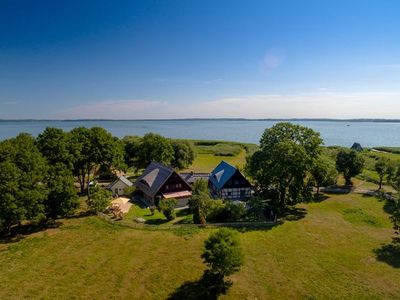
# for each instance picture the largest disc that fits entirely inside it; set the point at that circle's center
(324, 173)
(184, 154)
(198, 205)
(22, 188)
(154, 147)
(167, 206)
(223, 254)
(381, 167)
(132, 148)
(199, 202)
(99, 199)
(92, 148)
(53, 144)
(350, 163)
(62, 198)
(281, 166)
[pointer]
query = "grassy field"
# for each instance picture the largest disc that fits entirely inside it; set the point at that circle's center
(338, 248)
(210, 153)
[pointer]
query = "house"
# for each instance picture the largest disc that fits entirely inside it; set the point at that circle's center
(357, 147)
(191, 177)
(227, 182)
(118, 187)
(161, 182)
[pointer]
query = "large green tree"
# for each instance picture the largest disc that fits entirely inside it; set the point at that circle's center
(22, 181)
(282, 164)
(92, 148)
(53, 143)
(62, 198)
(154, 147)
(350, 163)
(184, 154)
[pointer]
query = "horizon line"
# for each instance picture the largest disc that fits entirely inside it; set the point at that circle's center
(206, 119)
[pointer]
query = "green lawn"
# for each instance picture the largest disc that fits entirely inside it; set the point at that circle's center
(331, 251)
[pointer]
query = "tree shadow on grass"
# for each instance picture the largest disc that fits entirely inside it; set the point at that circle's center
(294, 213)
(319, 198)
(208, 287)
(156, 221)
(18, 233)
(390, 253)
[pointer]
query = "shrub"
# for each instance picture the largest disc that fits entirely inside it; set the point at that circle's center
(166, 206)
(99, 200)
(223, 254)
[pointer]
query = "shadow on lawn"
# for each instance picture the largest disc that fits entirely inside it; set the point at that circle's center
(208, 287)
(18, 233)
(390, 253)
(294, 213)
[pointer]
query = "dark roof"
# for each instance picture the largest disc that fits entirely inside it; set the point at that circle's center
(124, 180)
(221, 174)
(192, 177)
(153, 178)
(357, 147)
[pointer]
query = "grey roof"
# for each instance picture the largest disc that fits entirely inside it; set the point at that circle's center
(221, 174)
(124, 180)
(192, 177)
(153, 178)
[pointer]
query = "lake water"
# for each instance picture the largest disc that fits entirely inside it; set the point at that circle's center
(368, 134)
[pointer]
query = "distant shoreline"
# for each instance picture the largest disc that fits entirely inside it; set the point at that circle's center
(210, 119)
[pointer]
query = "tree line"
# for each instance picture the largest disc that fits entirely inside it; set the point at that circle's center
(38, 176)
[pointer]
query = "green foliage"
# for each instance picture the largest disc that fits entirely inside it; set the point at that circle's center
(62, 198)
(132, 148)
(22, 192)
(53, 143)
(93, 147)
(200, 186)
(286, 156)
(324, 173)
(389, 149)
(257, 208)
(235, 211)
(198, 205)
(395, 217)
(350, 163)
(184, 154)
(381, 167)
(99, 199)
(223, 254)
(154, 147)
(166, 206)
(130, 191)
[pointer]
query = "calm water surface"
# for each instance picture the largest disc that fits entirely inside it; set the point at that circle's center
(368, 134)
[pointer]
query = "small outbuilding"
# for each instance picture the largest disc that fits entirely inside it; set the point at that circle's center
(357, 147)
(118, 186)
(161, 182)
(227, 182)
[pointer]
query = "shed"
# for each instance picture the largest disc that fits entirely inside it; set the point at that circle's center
(118, 186)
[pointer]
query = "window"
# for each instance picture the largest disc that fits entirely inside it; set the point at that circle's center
(167, 187)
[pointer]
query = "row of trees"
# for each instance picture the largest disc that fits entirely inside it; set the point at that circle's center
(38, 176)
(140, 151)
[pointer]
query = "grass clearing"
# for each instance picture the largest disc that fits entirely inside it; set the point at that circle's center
(330, 253)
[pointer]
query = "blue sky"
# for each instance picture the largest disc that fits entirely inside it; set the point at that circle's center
(177, 59)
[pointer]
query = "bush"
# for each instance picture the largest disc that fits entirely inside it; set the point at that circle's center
(99, 200)
(166, 206)
(236, 211)
(223, 253)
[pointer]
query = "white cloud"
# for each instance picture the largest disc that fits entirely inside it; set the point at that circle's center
(321, 104)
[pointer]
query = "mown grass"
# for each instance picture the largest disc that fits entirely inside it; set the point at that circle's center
(332, 252)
